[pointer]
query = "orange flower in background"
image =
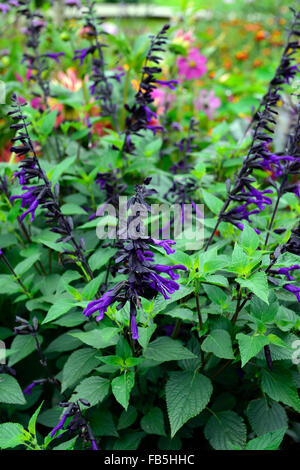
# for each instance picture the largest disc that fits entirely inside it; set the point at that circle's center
(242, 55)
(252, 27)
(227, 64)
(266, 51)
(5, 154)
(257, 63)
(260, 35)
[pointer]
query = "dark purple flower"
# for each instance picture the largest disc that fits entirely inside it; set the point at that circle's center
(169, 269)
(162, 285)
(28, 389)
(60, 425)
(55, 55)
(169, 83)
(28, 199)
(82, 53)
(286, 271)
(100, 305)
(134, 328)
(293, 289)
(165, 245)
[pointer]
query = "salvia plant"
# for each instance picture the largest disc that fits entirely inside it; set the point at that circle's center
(150, 233)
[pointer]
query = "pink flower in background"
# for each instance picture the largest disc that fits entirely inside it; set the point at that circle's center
(162, 97)
(208, 102)
(186, 39)
(192, 66)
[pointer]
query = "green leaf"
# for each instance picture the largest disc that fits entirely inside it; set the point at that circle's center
(92, 389)
(79, 364)
(187, 394)
(280, 386)
(99, 337)
(127, 418)
(263, 312)
(218, 342)
(258, 284)
(57, 171)
(166, 349)
(249, 239)
(23, 267)
(11, 435)
(215, 294)
(22, 346)
(121, 388)
(58, 309)
(10, 390)
(129, 441)
(101, 257)
(72, 209)
(153, 422)
(145, 335)
(64, 342)
(102, 423)
(213, 203)
(249, 346)
(266, 418)
(160, 303)
(47, 122)
(68, 445)
(91, 288)
(226, 430)
(32, 421)
(269, 441)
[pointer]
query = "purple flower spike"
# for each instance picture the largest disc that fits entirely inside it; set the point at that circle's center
(94, 445)
(134, 328)
(82, 53)
(59, 425)
(169, 83)
(28, 199)
(293, 289)
(165, 245)
(27, 390)
(55, 55)
(169, 269)
(286, 271)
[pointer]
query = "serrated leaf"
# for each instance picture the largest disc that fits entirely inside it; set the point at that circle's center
(187, 394)
(10, 390)
(280, 386)
(145, 335)
(166, 349)
(226, 430)
(11, 435)
(213, 203)
(218, 342)
(58, 309)
(127, 418)
(79, 364)
(269, 441)
(98, 338)
(92, 389)
(249, 239)
(258, 284)
(266, 418)
(249, 346)
(153, 422)
(121, 388)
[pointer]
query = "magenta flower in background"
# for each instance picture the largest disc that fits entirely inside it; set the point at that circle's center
(73, 3)
(192, 66)
(207, 102)
(4, 8)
